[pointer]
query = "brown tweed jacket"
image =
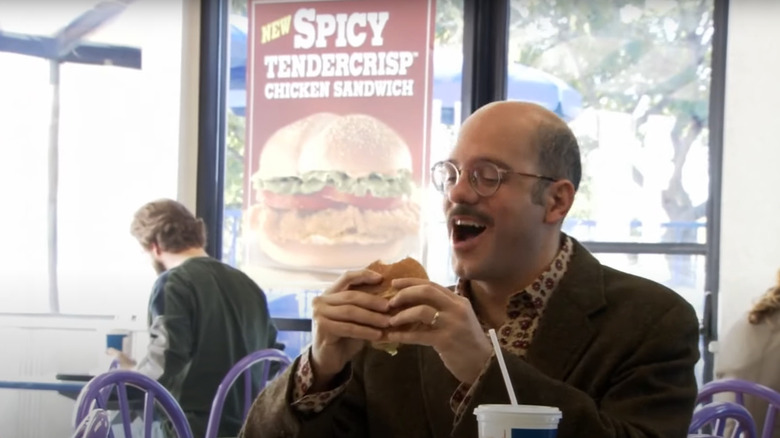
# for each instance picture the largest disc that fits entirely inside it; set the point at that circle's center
(614, 352)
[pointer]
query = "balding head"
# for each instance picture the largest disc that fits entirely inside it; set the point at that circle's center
(519, 223)
(554, 145)
(515, 109)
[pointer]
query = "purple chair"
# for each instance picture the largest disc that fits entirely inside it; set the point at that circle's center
(716, 414)
(741, 387)
(243, 366)
(94, 425)
(97, 391)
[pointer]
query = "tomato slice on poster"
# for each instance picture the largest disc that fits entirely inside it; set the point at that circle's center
(328, 198)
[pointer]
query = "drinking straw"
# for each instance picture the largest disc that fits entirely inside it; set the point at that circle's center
(502, 364)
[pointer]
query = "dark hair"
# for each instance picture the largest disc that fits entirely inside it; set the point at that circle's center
(168, 224)
(767, 305)
(558, 155)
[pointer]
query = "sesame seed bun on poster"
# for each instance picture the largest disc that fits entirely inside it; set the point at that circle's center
(338, 127)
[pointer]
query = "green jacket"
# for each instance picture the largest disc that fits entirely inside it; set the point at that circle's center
(204, 316)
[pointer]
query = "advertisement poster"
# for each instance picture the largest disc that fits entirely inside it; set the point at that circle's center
(338, 128)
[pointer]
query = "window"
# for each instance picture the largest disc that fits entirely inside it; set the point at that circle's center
(290, 290)
(117, 144)
(633, 81)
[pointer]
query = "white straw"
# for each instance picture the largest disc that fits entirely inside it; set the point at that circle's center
(502, 364)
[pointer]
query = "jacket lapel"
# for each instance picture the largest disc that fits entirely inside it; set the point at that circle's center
(565, 329)
(563, 335)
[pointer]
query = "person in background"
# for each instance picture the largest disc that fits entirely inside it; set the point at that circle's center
(750, 350)
(204, 316)
(615, 352)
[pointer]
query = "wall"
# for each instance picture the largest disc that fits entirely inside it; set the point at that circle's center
(750, 248)
(188, 126)
(40, 347)
(55, 346)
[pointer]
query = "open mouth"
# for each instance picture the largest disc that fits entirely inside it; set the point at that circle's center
(463, 230)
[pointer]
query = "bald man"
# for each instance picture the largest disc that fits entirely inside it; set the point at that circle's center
(613, 351)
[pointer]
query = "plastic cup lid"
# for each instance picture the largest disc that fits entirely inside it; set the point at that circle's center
(518, 409)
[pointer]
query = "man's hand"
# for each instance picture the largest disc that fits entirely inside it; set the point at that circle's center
(343, 321)
(125, 362)
(433, 315)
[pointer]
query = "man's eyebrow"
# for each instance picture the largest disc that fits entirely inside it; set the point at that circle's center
(482, 159)
(497, 161)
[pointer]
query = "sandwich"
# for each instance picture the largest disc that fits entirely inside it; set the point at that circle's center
(406, 268)
(332, 191)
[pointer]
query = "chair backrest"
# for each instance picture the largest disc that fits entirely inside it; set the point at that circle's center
(243, 366)
(701, 435)
(739, 388)
(716, 414)
(97, 393)
(94, 425)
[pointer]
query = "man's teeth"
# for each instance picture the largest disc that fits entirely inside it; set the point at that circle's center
(466, 223)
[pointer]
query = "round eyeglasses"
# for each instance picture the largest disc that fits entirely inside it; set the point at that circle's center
(484, 177)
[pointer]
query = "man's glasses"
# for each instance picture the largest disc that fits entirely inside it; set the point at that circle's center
(484, 177)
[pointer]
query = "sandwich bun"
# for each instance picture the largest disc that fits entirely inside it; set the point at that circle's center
(338, 226)
(356, 144)
(282, 151)
(406, 268)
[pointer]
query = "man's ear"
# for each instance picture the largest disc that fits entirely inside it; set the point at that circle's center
(558, 199)
(154, 248)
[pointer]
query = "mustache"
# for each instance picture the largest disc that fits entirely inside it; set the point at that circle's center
(467, 210)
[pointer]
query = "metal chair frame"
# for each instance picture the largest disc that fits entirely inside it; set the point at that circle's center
(243, 366)
(97, 391)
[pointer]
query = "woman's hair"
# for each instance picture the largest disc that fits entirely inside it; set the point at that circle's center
(767, 305)
(168, 224)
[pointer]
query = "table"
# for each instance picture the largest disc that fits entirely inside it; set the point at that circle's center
(42, 383)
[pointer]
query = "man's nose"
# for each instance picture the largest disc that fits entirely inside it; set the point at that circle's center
(462, 192)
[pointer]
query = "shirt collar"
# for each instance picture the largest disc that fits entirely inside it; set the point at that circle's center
(540, 290)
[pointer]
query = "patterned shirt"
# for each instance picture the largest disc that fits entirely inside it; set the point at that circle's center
(524, 312)
(523, 315)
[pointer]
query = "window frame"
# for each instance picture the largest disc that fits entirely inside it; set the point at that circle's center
(75, 48)
(485, 40)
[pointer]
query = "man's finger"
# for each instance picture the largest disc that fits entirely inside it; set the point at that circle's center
(422, 315)
(428, 294)
(401, 283)
(352, 297)
(353, 314)
(353, 278)
(342, 329)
